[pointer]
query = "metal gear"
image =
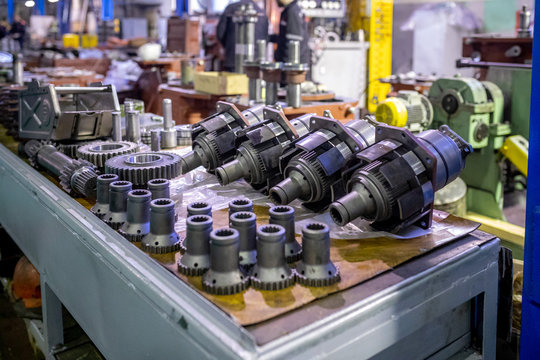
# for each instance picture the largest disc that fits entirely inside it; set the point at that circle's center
(98, 152)
(140, 168)
(70, 149)
(32, 147)
(79, 177)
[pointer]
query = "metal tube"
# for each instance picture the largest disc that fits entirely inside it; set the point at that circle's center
(117, 126)
(294, 52)
(271, 93)
(133, 126)
(155, 139)
(79, 89)
(166, 106)
(246, 224)
(17, 69)
(160, 189)
(249, 48)
(294, 95)
(52, 159)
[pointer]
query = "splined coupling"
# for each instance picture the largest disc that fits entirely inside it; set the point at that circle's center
(237, 205)
(316, 268)
(199, 208)
(162, 237)
(99, 152)
(139, 168)
(160, 189)
(246, 224)
(118, 194)
(196, 259)
(271, 271)
(102, 204)
(284, 216)
(138, 215)
(224, 277)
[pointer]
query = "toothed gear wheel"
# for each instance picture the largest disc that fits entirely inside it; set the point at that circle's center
(189, 271)
(131, 237)
(226, 289)
(274, 285)
(161, 249)
(139, 168)
(32, 147)
(330, 280)
(99, 152)
(71, 149)
(309, 161)
(79, 177)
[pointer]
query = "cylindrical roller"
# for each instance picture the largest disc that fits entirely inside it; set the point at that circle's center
(160, 189)
(260, 50)
(155, 139)
(224, 276)
(133, 126)
(271, 271)
(294, 51)
(271, 93)
(138, 215)
(18, 69)
(169, 139)
(117, 126)
(118, 194)
(246, 224)
(196, 259)
(166, 106)
(237, 205)
(199, 208)
(162, 237)
(102, 194)
(284, 216)
(294, 95)
(316, 268)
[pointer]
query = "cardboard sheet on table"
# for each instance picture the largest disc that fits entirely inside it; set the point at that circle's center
(358, 261)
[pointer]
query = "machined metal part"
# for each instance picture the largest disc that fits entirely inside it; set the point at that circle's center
(246, 224)
(199, 208)
(254, 74)
(139, 168)
(183, 134)
(133, 126)
(224, 277)
(283, 216)
(162, 238)
(99, 152)
(240, 205)
(313, 166)
(240, 39)
(66, 113)
(316, 269)
(524, 30)
(395, 183)
(138, 215)
(271, 271)
(259, 149)
(102, 194)
(118, 195)
(77, 177)
(18, 69)
(116, 126)
(168, 135)
(295, 75)
(214, 138)
(160, 188)
(271, 74)
(196, 258)
(155, 139)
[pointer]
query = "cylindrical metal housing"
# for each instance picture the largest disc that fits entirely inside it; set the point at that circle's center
(246, 224)
(162, 237)
(240, 205)
(294, 51)
(199, 208)
(133, 126)
(52, 160)
(169, 139)
(196, 259)
(224, 276)
(316, 268)
(284, 216)
(118, 194)
(102, 194)
(117, 126)
(155, 139)
(160, 189)
(271, 271)
(166, 107)
(138, 215)
(294, 95)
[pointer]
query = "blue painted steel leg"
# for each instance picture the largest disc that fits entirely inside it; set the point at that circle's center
(52, 317)
(530, 309)
(41, 7)
(107, 10)
(10, 10)
(63, 15)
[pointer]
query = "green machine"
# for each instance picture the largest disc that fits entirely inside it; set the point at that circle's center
(474, 110)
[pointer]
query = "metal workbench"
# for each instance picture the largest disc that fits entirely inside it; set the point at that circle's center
(132, 307)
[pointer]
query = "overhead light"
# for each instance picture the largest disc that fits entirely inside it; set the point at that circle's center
(29, 3)
(53, 1)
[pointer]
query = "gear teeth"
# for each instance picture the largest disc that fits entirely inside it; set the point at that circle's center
(32, 148)
(190, 271)
(161, 249)
(131, 237)
(311, 158)
(301, 279)
(114, 225)
(99, 157)
(71, 149)
(167, 167)
(83, 178)
(226, 290)
(274, 285)
(294, 257)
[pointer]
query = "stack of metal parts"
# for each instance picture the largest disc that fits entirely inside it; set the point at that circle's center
(394, 184)
(260, 146)
(98, 152)
(230, 259)
(254, 74)
(77, 177)
(295, 75)
(214, 138)
(9, 101)
(313, 167)
(244, 19)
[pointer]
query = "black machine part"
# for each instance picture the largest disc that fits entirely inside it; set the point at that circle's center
(138, 215)
(162, 237)
(196, 259)
(214, 138)
(312, 169)
(394, 184)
